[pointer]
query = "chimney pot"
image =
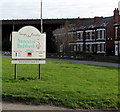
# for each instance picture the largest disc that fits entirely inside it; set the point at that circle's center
(116, 16)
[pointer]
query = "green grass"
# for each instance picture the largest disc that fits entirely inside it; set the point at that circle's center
(62, 83)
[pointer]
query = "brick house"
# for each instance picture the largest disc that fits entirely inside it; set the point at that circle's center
(93, 35)
(117, 39)
(117, 33)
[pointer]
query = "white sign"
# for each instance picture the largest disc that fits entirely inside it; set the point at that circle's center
(28, 62)
(28, 43)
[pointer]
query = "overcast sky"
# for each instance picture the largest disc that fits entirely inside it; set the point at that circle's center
(30, 9)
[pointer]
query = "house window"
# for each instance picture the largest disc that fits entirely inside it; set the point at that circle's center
(93, 35)
(61, 48)
(75, 47)
(119, 48)
(116, 32)
(78, 47)
(87, 35)
(98, 47)
(102, 47)
(90, 35)
(81, 47)
(90, 48)
(98, 34)
(87, 47)
(80, 35)
(103, 34)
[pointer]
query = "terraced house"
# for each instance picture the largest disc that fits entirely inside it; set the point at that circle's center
(117, 38)
(98, 35)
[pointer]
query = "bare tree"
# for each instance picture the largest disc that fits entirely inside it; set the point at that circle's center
(63, 37)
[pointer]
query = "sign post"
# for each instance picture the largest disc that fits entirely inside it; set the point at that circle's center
(15, 72)
(39, 71)
(28, 47)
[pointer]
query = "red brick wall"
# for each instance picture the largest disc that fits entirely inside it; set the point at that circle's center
(110, 45)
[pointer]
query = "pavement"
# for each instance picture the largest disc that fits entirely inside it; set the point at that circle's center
(87, 62)
(19, 107)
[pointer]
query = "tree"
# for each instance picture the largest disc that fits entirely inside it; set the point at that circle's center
(50, 40)
(63, 37)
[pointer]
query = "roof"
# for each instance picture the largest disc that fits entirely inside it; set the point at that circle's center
(89, 23)
(37, 21)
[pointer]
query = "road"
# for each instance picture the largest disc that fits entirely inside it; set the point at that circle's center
(87, 62)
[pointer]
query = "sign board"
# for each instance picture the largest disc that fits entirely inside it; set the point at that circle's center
(28, 43)
(28, 62)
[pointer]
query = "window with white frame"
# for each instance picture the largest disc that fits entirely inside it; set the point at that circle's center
(61, 48)
(116, 32)
(119, 46)
(102, 47)
(87, 35)
(98, 34)
(93, 35)
(78, 47)
(87, 47)
(90, 35)
(90, 48)
(98, 47)
(80, 35)
(75, 47)
(103, 34)
(81, 47)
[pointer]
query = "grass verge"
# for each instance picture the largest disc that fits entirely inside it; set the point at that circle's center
(62, 84)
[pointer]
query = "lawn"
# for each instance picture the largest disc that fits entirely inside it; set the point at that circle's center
(62, 84)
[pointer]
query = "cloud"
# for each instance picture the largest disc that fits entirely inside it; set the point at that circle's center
(56, 8)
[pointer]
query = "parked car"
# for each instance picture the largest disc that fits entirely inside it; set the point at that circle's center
(6, 53)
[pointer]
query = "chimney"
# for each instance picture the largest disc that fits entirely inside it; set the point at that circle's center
(116, 15)
(78, 20)
(96, 19)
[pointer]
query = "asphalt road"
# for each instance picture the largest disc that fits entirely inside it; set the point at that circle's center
(87, 62)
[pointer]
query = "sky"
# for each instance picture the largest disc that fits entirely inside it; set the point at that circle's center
(30, 9)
